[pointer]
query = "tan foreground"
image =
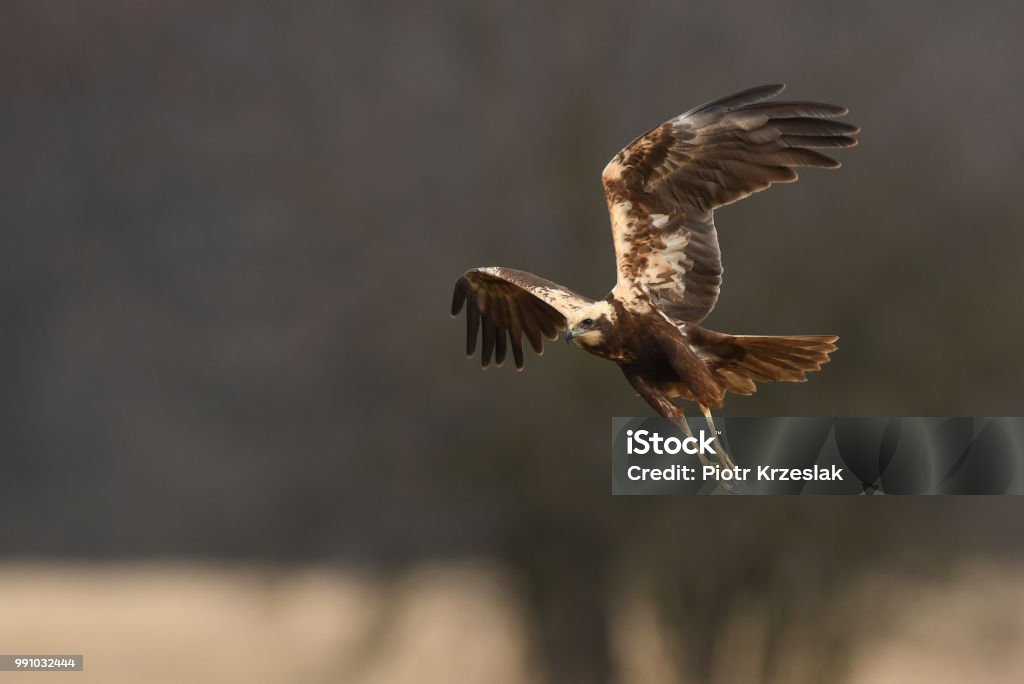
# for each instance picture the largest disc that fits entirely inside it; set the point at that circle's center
(457, 622)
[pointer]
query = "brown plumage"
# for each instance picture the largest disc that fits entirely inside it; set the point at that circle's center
(662, 190)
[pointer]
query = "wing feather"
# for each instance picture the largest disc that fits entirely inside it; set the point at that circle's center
(500, 347)
(507, 305)
(472, 326)
(532, 328)
(663, 188)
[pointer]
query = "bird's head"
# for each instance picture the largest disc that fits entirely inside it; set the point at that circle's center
(590, 325)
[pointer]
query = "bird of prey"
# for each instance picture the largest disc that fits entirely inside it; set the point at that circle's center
(662, 191)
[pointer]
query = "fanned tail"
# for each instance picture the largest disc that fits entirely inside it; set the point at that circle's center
(749, 359)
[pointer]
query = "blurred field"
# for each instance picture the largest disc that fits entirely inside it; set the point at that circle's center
(189, 622)
(445, 623)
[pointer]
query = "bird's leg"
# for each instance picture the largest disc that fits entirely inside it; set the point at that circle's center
(724, 459)
(680, 420)
(727, 485)
(662, 403)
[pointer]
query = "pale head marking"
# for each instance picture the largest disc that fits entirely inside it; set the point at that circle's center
(585, 322)
(593, 311)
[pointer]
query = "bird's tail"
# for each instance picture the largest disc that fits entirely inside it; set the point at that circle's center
(755, 358)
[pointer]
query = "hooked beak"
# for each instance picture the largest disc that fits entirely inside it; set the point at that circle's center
(569, 334)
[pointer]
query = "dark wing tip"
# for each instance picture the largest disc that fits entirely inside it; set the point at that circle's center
(459, 295)
(824, 109)
(755, 94)
(741, 99)
(781, 109)
(803, 156)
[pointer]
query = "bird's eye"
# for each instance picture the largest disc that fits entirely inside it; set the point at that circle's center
(588, 322)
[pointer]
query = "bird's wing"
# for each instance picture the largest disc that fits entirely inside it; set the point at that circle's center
(505, 302)
(663, 188)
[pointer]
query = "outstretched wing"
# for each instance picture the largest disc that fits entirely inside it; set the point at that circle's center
(663, 188)
(505, 302)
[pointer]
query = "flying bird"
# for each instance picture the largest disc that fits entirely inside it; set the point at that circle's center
(662, 191)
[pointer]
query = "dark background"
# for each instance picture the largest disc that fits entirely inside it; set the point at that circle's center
(231, 234)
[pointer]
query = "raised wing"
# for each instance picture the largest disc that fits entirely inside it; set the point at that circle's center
(505, 302)
(663, 188)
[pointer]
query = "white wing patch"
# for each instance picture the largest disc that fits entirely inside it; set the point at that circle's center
(559, 299)
(621, 230)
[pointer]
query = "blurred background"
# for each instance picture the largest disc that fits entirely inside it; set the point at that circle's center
(240, 440)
